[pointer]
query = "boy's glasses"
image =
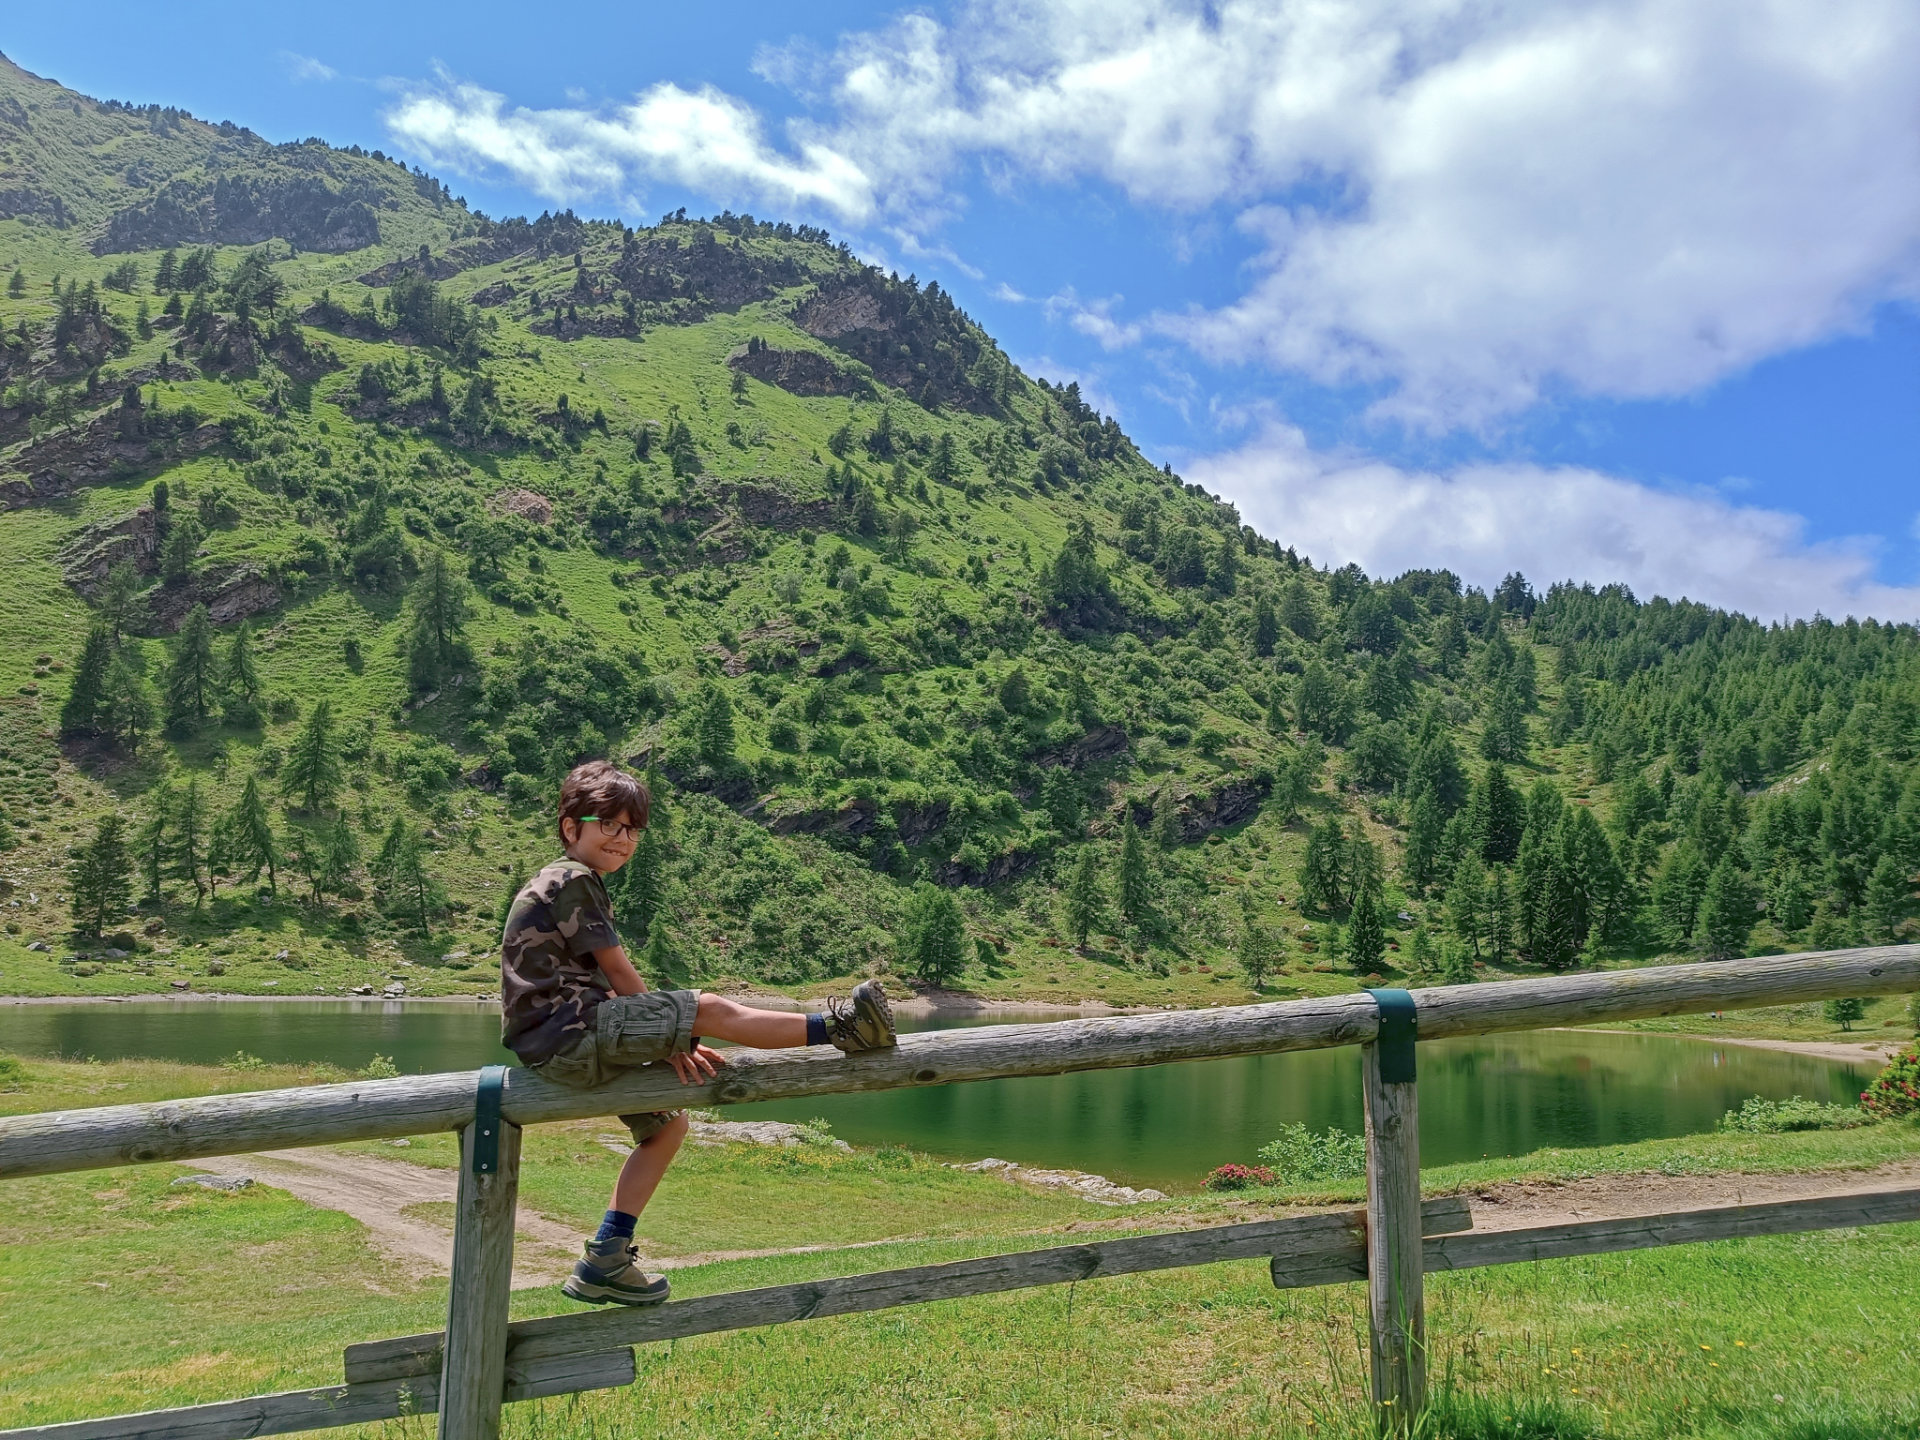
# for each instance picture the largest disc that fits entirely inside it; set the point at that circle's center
(615, 829)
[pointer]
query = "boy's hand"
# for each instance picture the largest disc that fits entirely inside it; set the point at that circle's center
(701, 1063)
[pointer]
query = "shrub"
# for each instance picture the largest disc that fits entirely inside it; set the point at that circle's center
(1297, 1155)
(13, 1075)
(1239, 1177)
(1896, 1089)
(380, 1067)
(1772, 1117)
(241, 1060)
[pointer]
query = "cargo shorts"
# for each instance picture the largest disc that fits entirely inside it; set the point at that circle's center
(628, 1030)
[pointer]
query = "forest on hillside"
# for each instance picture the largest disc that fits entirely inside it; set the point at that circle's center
(334, 560)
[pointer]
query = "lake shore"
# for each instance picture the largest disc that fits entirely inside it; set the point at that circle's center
(1865, 1052)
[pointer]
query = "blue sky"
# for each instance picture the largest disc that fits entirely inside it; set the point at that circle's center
(1601, 289)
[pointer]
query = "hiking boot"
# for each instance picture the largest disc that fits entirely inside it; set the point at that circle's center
(863, 1021)
(609, 1277)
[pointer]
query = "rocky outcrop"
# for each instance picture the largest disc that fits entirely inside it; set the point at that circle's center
(57, 465)
(1201, 813)
(1096, 1188)
(527, 504)
(798, 372)
(1008, 865)
(89, 555)
(1096, 747)
(914, 824)
(229, 592)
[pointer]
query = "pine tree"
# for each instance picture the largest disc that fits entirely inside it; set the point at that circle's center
(1257, 948)
(1504, 735)
(119, 598)
(126, 711)
(253, 845)
(386, 861)
(936, 935)
(80, 713)
(1136, 883)
(191, 839)
(1426, 828)
(1726, 912)
(1086, 899)
(713, 725)
(190, 673)
(1366, 931)
(1166, 817)
(413, 892)
(331, 854)
(240, 678)
(942, 467)
(312, 770)
(1266, 625)
(99, 876)
(1888, 889)
(17, 284)
(1060, 798)
(1502, 918)
(1323, 871)
(659, 960)
(154, 842)
(437, 635)
(1467, 903)
(1496, 816)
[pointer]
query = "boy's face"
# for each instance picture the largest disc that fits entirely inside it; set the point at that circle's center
(604, 842)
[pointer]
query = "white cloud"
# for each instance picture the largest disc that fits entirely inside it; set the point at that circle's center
(1093, 318)
(305, 67)
(1552, 524)
(701, 139)
(1468, 204)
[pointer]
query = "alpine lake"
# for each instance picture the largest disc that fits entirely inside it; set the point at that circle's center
(1163, 1126)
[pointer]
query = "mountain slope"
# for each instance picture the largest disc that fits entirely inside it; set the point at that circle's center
(932, 668)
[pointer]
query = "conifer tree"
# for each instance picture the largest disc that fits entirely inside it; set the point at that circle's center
(1502, 918)
(637, 889)
(240, 678)
(126, 710)
(1366, 931)
(1467, 903)
(935, 935)
(1726, 912)
(517, 881)
(191, 839)
(99, 876)
(713, 725)
(660, 962)
(1257, 947)
(190, 672)
(1323, 870)
(1425, 831)
(17, 284)
(1166, 817)
(1266, 625)
(328, 856)
(1504, 734)
(1888, 889)
(154, 844)
(312, 770)
(1496, 816)
(413, 891)
(1136, 883)
(80, 713)
(1086, 900)
(942, 468)
(439, 604)
(253, 845)
(119, 599)
(386, 860)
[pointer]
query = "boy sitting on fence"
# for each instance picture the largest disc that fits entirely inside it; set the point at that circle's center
(575, 1011)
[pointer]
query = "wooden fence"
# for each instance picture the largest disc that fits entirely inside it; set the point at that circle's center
(480, 1361)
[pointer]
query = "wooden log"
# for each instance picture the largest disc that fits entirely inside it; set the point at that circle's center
(1686, 1227)
(473, 1379)
(1328, 1245)
(332, 1405)
(417, 1104)
(1396, 1304)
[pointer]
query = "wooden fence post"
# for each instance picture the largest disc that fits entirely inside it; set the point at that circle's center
(1397, 1325)
(473, 1372)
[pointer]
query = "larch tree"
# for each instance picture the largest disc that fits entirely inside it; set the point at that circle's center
(192, 679)
(312, 771)
(99, 875)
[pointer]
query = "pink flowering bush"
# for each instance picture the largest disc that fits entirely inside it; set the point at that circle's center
(1239, 1177)
(1896, 1090)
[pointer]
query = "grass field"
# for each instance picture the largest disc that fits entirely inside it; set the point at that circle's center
(122, 1292)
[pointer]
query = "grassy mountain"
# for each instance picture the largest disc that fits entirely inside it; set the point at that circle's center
(341, 520)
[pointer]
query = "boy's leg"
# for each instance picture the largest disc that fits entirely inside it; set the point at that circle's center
(640, 1176)
(863, 1021)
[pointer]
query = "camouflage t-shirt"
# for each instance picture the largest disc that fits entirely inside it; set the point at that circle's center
(550, 984)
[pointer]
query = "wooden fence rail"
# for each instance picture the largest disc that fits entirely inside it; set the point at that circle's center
(480, 1360)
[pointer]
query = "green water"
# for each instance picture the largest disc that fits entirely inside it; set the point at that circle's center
(1165, 1126)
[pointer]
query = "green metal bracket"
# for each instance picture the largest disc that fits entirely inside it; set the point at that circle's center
(486, 1119)
(1399, 1026)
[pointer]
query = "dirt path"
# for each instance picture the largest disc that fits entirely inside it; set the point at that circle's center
(1865, 1052)
(387, 1195)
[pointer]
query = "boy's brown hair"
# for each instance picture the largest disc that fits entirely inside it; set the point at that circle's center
(601, 789)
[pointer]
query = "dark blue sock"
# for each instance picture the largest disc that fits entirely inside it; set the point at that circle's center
(816, 1029)
(615, 1225)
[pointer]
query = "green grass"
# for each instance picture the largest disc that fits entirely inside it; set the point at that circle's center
(122, 1292)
